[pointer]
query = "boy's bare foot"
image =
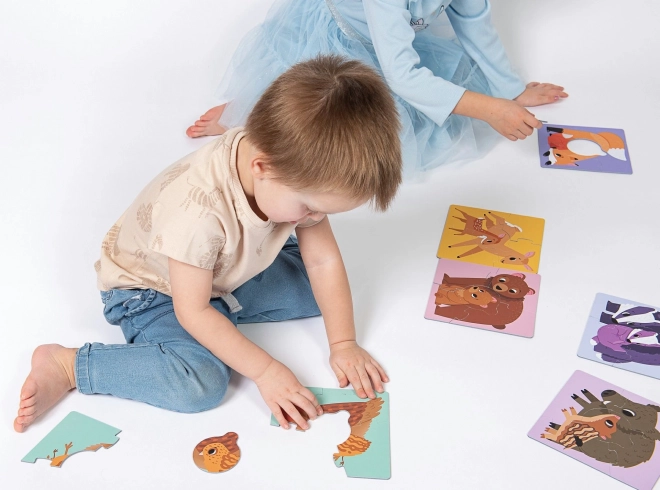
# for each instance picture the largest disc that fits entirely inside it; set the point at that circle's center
(207, 125)
(51, 377)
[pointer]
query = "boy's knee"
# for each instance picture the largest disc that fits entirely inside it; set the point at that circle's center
(200, 387)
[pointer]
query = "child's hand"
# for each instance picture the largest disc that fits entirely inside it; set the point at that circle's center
(540, 93)
(510, 119)
(351, 363)
(281, 390)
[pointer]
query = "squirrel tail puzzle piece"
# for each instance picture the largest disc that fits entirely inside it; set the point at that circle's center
(366, 452)
(83, 433)
(217, 454)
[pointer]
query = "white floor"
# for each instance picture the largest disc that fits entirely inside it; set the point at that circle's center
(94, 100)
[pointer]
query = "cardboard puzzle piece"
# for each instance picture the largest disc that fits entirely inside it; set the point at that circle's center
(497, 239)
(624, 334)
(217, 454)
(584, 148)
(614, 431)
(484, 297)
(366, 452)
(74, 434)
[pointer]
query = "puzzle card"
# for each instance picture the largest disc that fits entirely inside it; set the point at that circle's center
(492, 238)
(605, 427)
(584, 148)
(624, 334)
(484, 297)
(74, 434)
(366, 452)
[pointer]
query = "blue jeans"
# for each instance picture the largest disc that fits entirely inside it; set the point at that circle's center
(162, 364)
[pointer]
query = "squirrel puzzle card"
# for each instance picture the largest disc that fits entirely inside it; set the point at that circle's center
(74, 434)
(366, 452)
(624, 334)
(584, 148)
(605, 427)
(492, 238)
(484, 297)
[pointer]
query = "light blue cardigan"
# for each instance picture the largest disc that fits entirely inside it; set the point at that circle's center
(391, 25)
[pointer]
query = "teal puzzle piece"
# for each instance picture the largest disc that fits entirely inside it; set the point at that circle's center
(74, 434)
(364, 454)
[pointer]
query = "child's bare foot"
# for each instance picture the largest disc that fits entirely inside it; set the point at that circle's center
(51, 377)
(207, 125)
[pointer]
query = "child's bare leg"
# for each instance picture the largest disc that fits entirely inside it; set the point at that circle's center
(207, 124)
(51, 377)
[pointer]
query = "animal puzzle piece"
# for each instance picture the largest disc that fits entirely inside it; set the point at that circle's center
(365, 453)
(504, 231)
(463, 295)
(633, 440)
(645, 317)
(576, 429)
(83, 433)
(217, 454)
(563, 152)
(361, 416)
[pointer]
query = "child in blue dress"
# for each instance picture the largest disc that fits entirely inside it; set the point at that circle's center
(447, 93)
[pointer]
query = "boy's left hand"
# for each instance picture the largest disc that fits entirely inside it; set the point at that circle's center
(540, 93)
(352, 364)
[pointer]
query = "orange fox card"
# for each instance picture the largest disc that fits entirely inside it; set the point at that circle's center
(492, 238)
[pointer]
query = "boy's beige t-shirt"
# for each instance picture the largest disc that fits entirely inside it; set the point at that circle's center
(196, 212)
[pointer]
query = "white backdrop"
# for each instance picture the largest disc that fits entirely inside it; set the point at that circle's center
(94, 100)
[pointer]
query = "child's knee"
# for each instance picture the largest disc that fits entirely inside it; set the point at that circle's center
(201, 387)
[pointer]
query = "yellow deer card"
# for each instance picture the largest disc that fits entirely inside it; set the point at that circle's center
(493, 238)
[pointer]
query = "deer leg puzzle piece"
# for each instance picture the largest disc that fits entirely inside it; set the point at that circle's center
(624, 334)
(498, 239)
(74, 434)
(605, 427)
(217, 454)
(484, 297)
(366, 452)
(584, 148)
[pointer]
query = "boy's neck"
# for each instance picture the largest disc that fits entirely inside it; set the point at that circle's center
(244, 156)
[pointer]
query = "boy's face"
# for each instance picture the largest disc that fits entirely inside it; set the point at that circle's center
(283, 204)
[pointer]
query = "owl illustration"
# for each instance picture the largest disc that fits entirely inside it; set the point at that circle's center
(217, 454)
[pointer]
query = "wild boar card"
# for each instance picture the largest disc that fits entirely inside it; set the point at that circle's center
(605, 427)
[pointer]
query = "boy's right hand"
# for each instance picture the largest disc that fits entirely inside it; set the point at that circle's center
(510, 119)
(282, 392)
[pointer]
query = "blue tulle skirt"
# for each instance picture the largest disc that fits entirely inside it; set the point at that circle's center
(296, 30)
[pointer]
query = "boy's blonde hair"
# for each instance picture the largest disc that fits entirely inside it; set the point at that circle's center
(330, 125)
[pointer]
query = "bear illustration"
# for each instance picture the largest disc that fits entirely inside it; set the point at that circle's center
(510, 291)
(463, 295)
(510, 285)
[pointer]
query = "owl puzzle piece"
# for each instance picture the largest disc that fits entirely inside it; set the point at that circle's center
(366, 452)
(74, 434)
(492, 238)
(217, 454)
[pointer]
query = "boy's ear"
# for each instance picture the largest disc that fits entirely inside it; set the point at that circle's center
(260, 167)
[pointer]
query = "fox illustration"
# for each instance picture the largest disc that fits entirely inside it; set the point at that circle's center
(602, 144)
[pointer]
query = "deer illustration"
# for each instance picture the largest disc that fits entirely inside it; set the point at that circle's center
(560, 153)
(58, 460)
(474, 226)
(504, 231)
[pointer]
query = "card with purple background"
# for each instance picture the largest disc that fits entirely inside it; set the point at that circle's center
(491, 298)
(584, 148)
(624, 334)
(605, 427)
